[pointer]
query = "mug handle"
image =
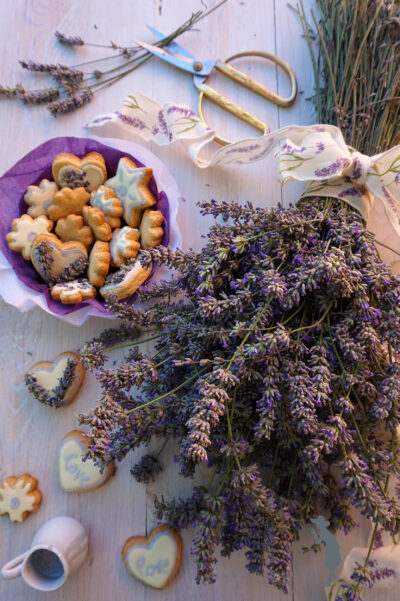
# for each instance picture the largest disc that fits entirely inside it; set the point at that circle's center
(13, 568)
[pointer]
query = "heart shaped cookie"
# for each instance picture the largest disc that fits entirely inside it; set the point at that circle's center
(70, 171)
(56, 383)
(75, 475)
(58, 261)
(154, 559)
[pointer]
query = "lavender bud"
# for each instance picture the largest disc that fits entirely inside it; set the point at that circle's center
(69, 40)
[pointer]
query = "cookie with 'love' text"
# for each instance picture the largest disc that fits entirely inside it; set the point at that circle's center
(153, 560)
(76, 473)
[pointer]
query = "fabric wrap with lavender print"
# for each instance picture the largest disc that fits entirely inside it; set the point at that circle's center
(314, 154)
(30, 170)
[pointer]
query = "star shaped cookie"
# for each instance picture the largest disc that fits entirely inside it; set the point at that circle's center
(131, 186)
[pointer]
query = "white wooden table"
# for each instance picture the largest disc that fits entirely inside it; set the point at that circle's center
(29, 433)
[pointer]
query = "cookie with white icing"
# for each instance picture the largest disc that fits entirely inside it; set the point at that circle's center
(131, 186)
(124, 245)
(56, 383)
(24, 231)
(75, 475)
(39, 198)
(19, 497)
(104, 199)
(126, 281)
(153, 560)
(74, 291)
(58, 261)
(71, 171)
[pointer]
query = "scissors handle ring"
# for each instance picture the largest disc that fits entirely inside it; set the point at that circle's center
(248, 82)
(254, 85)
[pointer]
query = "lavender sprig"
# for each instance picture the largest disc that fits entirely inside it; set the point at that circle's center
(69, 104)
(146, 469)
(69, 40)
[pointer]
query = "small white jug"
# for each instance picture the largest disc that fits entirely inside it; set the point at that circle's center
(58, 549)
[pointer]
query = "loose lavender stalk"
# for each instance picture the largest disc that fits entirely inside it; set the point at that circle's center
(69, 40)
(79, 87)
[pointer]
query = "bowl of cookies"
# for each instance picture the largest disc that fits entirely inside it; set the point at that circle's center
(78, 213)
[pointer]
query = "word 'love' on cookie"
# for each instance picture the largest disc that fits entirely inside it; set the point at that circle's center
(153, 560)
(75, 472)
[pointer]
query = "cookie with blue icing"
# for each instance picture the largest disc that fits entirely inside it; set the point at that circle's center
(131, 187)
(125, 281)
(105, 200)
(153, 560)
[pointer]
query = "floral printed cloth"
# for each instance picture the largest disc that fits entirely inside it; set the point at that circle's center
(315, 154)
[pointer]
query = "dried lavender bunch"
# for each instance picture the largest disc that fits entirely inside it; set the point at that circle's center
(356, 69)
(281, 367)
(277, 371)
(55, 397)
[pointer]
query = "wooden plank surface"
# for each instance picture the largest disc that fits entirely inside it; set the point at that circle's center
(29, 433)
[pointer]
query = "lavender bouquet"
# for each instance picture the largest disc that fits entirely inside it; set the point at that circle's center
(275, 362)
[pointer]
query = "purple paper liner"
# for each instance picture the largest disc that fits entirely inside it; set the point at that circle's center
(30, 170)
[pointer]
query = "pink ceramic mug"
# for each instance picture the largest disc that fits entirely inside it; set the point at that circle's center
(58, 549)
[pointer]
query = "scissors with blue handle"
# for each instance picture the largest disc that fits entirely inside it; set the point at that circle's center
(176, 55)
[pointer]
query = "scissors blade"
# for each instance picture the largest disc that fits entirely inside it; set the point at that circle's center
(172, 46)
(182, 62)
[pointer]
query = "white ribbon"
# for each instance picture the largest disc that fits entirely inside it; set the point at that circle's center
(315, 154)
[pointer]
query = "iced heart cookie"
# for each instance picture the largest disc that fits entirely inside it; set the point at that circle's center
(131, 186)
(72, 228)
(39, 198)
(67, 201)
(124, 245)
(154, 559)
(25, 229)
(99, 263)
(95, 219)
(126, 281)
(75, 475)
(104, 199)
(19, 497)
(73, 292)
(151, 232)
(56, 383)
(71, 171)
(58, 261)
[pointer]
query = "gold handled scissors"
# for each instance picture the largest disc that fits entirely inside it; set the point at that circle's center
(174, 54)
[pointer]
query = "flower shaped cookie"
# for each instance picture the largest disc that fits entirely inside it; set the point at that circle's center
(19, 497)
(24, 231)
